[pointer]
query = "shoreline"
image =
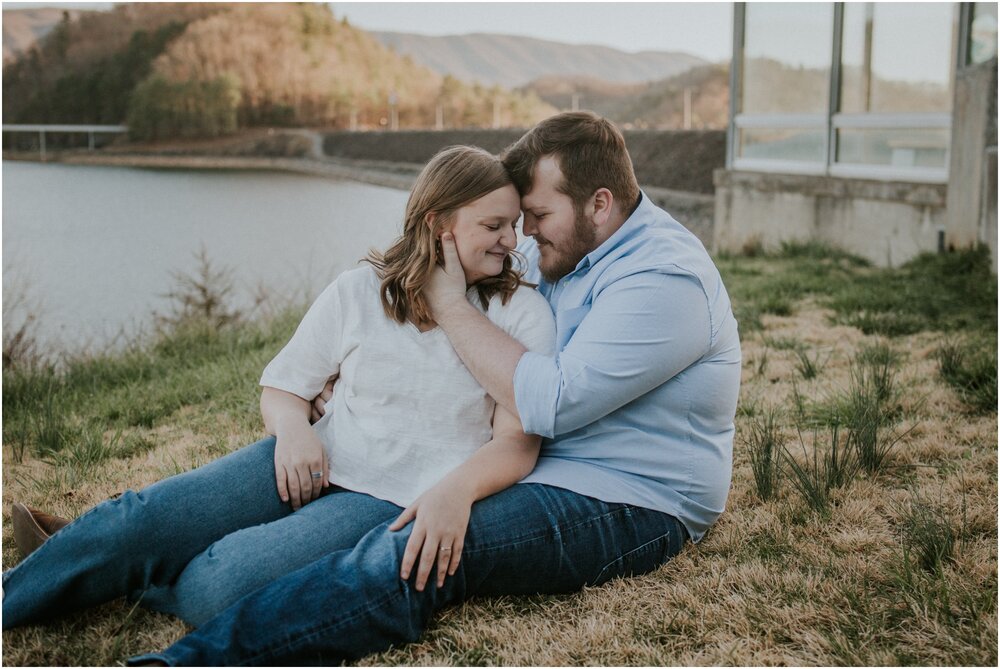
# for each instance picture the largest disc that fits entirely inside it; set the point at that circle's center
(696, 211)
(396, 176)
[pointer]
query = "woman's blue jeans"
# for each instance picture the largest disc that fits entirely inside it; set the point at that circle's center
(189, 545)
(216, 547)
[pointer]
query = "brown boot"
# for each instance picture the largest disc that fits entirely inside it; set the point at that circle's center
(33, 527)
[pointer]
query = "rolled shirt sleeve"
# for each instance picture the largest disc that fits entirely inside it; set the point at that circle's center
(639, 332)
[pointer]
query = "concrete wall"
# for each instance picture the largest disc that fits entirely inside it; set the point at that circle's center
(885, 222)
(972, 182)
(694, 211)
(988, 208)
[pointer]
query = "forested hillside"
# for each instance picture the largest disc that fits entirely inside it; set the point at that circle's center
(194, 69)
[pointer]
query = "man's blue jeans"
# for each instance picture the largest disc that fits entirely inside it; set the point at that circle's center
(527, 539)
(268, 586)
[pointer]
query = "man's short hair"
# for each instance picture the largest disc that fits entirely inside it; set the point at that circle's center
(591, 154)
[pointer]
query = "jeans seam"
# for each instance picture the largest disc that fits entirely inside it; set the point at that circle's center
(34, 554)
(558, 529)
(635, 551)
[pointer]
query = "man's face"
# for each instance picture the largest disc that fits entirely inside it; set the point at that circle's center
(564, 237)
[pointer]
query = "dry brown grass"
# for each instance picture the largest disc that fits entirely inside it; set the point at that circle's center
(772, 583)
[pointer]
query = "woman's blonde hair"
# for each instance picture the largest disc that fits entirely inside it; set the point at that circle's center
(454, 177)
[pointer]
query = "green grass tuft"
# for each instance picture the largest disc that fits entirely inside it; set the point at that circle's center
(970, 367)
(782, 343)
(816, 250)
(763, 443)
(809, 366)
(928, 535)
(879, 353)
(871, 407)
(822, 470)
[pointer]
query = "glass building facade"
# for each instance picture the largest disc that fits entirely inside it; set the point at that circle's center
(858, 90)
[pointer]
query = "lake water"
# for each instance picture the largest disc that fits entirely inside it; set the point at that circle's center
(93, 250)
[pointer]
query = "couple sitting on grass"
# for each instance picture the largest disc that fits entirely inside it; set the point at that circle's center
(482, 436)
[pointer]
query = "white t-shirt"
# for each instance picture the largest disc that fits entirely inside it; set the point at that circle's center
(405, 411)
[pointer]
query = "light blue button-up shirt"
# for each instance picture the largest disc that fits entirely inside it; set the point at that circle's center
(638, 404)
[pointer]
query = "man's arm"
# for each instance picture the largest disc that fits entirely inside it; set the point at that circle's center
(640, 332)
(490, 354)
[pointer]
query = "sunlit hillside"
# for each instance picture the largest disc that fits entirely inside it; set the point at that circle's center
(201, 69)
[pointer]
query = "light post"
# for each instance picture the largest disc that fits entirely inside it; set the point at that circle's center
(393, 112)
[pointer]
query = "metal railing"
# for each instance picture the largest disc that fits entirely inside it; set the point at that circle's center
(41, 129)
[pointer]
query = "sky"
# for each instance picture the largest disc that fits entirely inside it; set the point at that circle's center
(703, 29)
(700, 28)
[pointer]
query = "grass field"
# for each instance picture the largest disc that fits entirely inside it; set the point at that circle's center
(861, 527)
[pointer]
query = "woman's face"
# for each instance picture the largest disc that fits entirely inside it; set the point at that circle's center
(485, 234)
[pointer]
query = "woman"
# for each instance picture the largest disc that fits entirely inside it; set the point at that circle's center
(408, 435)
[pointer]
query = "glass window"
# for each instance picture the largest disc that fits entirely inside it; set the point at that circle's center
(983, 36)
(895, 80)
(801, 145)
(920, 147)
(786, 58)
(897, 57)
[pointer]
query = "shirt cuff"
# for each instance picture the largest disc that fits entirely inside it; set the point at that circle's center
(536, 392)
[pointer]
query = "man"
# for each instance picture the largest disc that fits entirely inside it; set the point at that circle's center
(636, 409)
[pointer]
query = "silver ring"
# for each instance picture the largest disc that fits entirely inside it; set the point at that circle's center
(317, 475)
(445, 548)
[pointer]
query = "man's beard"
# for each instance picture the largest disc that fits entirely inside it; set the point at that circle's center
(568, 256)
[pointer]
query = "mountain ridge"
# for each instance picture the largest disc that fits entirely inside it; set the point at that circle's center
(515, 60)
(488, 58)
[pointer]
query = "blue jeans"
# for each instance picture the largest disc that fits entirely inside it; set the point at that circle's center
(189, 545)
(530, 538)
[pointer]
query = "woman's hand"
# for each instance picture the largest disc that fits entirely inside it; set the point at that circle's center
(318, 405)
(298, 455)
(442, 517)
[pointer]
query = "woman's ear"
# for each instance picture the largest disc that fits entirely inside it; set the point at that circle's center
(430, 218)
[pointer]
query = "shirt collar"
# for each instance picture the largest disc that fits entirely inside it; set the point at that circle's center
(628, 228)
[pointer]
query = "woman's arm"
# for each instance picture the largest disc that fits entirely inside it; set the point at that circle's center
(442, 513)
(298, 452)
